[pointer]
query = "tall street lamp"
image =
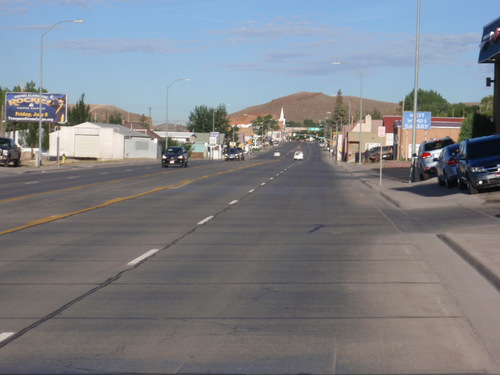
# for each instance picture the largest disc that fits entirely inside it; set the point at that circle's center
(166, 123)
(39, 161)
(360, 107)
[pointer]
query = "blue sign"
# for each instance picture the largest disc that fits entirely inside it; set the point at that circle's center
(423, 120)
(490, 43)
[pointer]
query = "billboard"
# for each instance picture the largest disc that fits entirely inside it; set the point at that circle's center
(25, 107)
(423, 120)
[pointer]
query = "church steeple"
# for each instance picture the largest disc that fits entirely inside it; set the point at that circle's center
(282, 120)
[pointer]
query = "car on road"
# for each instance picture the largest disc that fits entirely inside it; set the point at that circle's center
(427, 156)
(277, 153)
(175, 155)
(478, 164)
(446, 166)
(241, 152)
(9, 152)
(232, 154)
(373, 154)
(298, 155)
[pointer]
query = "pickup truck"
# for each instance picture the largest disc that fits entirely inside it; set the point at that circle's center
(9, 152)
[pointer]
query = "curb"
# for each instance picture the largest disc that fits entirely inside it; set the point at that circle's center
(475, 260)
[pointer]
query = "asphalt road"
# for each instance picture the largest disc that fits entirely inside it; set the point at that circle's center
(265, 266)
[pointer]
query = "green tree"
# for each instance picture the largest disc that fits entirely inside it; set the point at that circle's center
(204, 119)
(340, 112)
(30, 87)
(376, 115)
(487, 105)
(115, 118)
(476, 125)
(339, 116)
(428, 101)
(80, 113)
(309, 124)
(175, 142)
(145, 121)
(264, 124)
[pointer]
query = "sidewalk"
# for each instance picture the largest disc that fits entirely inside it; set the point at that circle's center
(480, 250)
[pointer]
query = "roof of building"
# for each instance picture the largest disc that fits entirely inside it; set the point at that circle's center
(117, 128)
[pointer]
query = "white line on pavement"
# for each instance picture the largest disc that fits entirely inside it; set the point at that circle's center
(142, 257)
(233, 202)
(32, 182)
(5, 335)
(251, 191)
(205, 220)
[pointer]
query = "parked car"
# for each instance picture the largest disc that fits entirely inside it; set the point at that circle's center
(298, 155)
(9, 152)
(428, 153)
(478, 165)
(232, 154)
(175, 155)
(446, 166)
(373, 154)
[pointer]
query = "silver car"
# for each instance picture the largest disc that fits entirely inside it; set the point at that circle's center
(428, 153)
(446, 166)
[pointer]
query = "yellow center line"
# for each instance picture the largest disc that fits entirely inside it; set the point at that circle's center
(52, 218)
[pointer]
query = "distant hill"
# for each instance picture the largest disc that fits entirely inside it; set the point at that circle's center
(101, 113)
(309, 106)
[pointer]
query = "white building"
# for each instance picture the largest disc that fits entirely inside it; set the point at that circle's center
(102, 141)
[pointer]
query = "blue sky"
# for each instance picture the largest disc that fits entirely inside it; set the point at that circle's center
(242, 53)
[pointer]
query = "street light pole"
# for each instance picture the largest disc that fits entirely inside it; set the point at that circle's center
(39, 161)
(166, 121)
(360, 107)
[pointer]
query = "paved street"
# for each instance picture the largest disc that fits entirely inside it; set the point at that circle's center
(256, 267)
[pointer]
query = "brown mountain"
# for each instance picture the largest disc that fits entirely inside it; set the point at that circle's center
(102, 112)
(310, 106)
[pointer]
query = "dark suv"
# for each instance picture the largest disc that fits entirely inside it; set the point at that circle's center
(479, 163)
(428, 154)
(9, 152)
(175, 155)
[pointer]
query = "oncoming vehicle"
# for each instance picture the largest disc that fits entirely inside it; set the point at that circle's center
(241, 152)
(9, 152)
(478, 165)
(175, 155)
(298, 155)
(428, 153)
(232, 154)
(446, 166)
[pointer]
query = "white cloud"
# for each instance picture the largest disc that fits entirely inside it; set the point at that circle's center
(120, 46)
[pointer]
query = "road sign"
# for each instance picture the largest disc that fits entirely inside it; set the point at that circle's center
(423, 120)
(381, 131)
(214, 138)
